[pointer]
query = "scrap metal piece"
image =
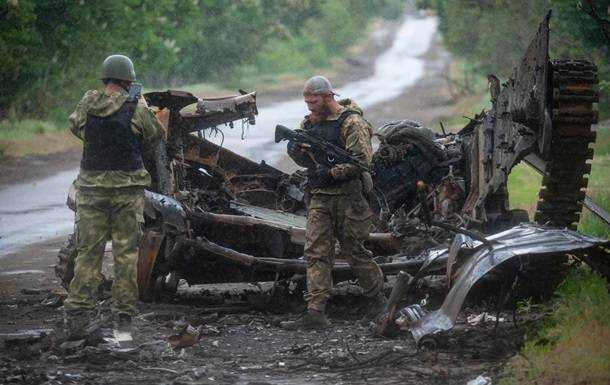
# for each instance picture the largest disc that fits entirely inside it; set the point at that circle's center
(189, 336)
(171, 210)
(147, 256)
(213, 112)
(386, 321)
(409, 315)
(172, 99)
(523, 240)
(454, 250)
(294, 224)
(24, 337)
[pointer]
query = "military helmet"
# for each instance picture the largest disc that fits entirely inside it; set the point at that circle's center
(318, 85)
(118, 67)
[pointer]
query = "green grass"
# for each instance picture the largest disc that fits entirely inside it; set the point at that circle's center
(33, 136)
(523, 187)
(572, 345)
(20, 129)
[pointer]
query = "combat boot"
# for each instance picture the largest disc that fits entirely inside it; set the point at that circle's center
(375, 307)
(312, 320)
(122, 321)
(75, 324)
(122, 330)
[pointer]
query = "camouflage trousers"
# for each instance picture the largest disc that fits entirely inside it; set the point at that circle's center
(346, 219)
(103, 214)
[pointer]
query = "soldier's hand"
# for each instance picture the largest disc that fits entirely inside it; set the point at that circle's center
(323, 174)
(295, 149)
(299, 152)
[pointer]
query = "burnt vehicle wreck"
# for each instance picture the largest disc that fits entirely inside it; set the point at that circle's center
(213, 216)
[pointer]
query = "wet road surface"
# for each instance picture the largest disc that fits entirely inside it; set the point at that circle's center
(35, 211)
(395, 70)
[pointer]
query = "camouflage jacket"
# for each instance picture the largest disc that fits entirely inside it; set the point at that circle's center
(144, 124)
(356, 133)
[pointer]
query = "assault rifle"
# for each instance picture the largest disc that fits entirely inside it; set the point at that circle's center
(323, 153)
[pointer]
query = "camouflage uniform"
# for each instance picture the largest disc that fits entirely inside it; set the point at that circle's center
(341, 212)
(110, 204)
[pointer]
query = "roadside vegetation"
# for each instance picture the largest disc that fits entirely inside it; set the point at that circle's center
(491, 36)
(51, 52)
(570, 346)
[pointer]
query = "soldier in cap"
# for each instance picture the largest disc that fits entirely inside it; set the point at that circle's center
(113, 127)
(338, 209)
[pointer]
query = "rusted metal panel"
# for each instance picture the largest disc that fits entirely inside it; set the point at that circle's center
(149, 249)
(528, 89)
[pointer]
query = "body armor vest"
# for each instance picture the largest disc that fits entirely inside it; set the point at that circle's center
(110, 143)
(329, 131)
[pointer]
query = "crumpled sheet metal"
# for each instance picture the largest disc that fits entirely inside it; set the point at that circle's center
(170, 209)
(523, 240)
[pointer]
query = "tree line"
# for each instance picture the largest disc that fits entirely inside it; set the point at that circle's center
(493, 34)
(50, 50)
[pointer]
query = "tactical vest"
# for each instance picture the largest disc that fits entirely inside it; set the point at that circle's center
(110, 143)
(329, 131)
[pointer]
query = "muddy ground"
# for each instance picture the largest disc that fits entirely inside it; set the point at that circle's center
(241, 342)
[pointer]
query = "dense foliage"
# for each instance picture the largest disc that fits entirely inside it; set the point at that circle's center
(493, 34)
(51, 49)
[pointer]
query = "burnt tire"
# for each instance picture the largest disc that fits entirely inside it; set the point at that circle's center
(64, 270)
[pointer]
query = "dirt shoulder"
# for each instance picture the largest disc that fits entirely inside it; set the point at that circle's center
(241, 341)
(33, 167)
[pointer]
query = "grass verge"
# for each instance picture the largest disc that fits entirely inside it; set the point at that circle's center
(572, 345)
(34, 137)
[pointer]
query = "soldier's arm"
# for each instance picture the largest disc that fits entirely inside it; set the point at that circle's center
(357, 135)
(78, 118)
(147, 124)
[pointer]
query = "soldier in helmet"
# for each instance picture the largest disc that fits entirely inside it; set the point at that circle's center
(338, 209)
(113, 127)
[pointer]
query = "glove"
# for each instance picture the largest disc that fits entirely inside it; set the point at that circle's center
(294, 149)
(323, 175)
